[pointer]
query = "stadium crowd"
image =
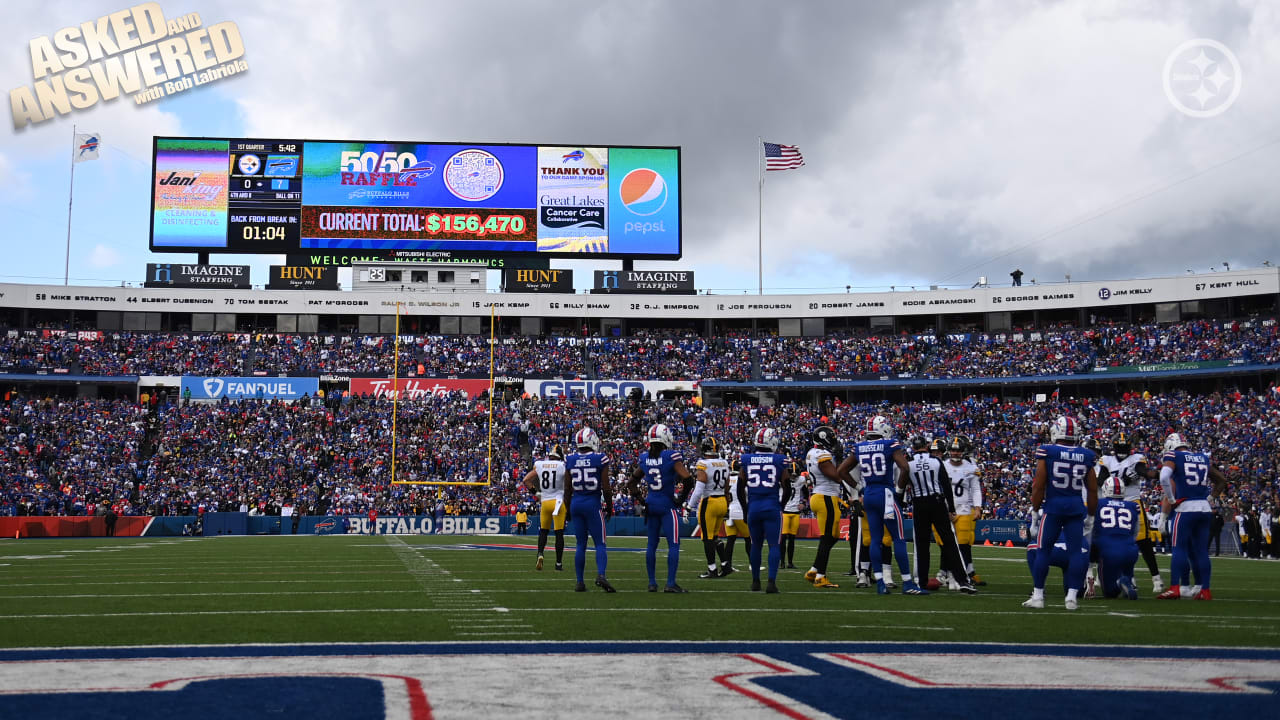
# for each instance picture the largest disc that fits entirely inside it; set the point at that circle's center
(656, 356)
(75, 457)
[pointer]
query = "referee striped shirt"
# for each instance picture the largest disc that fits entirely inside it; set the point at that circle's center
(929, 479)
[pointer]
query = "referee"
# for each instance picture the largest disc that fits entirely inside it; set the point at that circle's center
(934, 509)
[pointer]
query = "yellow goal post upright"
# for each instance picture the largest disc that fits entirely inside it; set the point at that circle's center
(395, 403)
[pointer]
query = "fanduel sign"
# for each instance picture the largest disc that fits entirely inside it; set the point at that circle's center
(605, 388)
(238, 388)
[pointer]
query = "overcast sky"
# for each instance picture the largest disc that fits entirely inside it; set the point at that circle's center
(943, 141)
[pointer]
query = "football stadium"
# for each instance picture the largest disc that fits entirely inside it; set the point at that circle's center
(299, 424)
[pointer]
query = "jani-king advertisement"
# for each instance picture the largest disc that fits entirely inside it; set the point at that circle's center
(190, 193)
(247, 388)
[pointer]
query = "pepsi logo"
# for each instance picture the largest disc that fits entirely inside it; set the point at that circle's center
(643, 191)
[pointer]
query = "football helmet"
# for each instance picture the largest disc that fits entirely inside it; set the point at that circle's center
(1090, 444)
(919, 444)
(1174, 441)
(1113, 487)
(879, 427)
(958, 447)
(556, 453)
(710, 448)
(660, 434)
(1064, 429)
(938, 446)
(767, 439)
(1121, 446)
(587, 438)
(824, 436)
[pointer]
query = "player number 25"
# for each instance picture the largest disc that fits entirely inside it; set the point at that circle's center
(584, 479)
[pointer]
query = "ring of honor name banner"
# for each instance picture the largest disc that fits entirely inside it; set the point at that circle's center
(322, 197)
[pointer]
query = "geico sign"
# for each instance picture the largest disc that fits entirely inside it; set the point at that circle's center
(588, 388)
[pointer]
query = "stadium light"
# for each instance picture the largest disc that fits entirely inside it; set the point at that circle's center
(1226, 265)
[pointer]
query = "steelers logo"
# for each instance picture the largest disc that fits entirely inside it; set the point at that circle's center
(249, 164)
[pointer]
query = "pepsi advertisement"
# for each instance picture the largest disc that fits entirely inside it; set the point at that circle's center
(313, 196)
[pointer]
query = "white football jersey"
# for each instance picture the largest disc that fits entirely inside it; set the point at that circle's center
(822, 485)
(966, 486)
(1127, 471)
(735, 508)
(550, 479)
(797, 494)
(717, 472)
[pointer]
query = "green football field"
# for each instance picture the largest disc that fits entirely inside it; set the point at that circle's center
(143, 591)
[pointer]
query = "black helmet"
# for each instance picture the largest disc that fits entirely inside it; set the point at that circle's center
(938, 446)
(1091, 444)
(958, 447)
(919, 443)
(556, 452)
(824, 436)
(1120, 445)
(710, 447)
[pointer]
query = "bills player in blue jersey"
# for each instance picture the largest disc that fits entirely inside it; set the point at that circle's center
(880, 458)
(1067, 488)
(590, 504)
(1189, 480)
(661, 467)
(763, 489)
(1057, 554)
(1115, 532)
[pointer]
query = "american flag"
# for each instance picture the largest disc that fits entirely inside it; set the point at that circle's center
(782, 157)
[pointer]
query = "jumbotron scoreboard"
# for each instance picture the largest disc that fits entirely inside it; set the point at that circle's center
(288, 196)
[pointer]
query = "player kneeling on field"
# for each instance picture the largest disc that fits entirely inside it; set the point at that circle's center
(1114, 537)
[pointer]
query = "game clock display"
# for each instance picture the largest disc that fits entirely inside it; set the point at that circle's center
(289, 196)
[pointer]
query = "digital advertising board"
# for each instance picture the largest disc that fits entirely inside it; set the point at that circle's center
(294, 196)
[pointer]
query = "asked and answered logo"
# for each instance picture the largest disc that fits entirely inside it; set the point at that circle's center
(1202, 78)
(643, 191)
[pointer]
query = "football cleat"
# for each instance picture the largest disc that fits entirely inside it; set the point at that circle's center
(581, 587)
(772, 588)
(953, 585)
(1157, 585)
(823, 582)
(811, 575)
(968, 590)
(709, 574)
(910, 588)
(791, 566)
(977, 580)
(674, 589)
(604, 584)
(1173, 593)
(755, 586)
(863, 580)
(653, 588)
(1204, 594)
(881, 589)
(1090, 588)
(853, 573)
(538, 566)
(1071, 604)
(1126, 585)
(726, 570)
(888, 582)
(559, 567)
(1034, 603)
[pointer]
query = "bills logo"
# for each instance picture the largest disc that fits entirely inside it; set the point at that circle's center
(575, 155)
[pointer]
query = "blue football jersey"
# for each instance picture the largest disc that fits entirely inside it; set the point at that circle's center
(660, 477)
(1067, 466)
(762, 473)
(1190, 475)
(1116, 521)
(586, 471)
(875, 460)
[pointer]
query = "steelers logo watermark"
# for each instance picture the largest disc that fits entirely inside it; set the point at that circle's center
(1202, 78)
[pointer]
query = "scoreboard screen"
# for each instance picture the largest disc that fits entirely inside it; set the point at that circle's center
(299, 196)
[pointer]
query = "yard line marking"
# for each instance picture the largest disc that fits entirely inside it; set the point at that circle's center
(899, 627)
(204, 594)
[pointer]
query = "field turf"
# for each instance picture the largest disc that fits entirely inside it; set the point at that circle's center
(144, 591)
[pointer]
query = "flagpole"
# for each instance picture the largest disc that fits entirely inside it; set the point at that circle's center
(760, 216)
(66, 266)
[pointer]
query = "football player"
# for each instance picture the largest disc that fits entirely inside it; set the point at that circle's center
(547, 477)
(661, 466)
(791, 518)
(1064, 472)
(933, 509)
(966, 487)
(1114, 529)
(1132, 468)
(1189, 480)
(765, 476)
(883, 464)
(736, 525)
(822, 462)
(710, 499)
(590, 504)
(1058, 556)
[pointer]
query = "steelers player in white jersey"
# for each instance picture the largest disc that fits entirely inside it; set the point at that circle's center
(735, 525)
(709, 499)
(826, 500)
(966, 488)
(1131, 468)
(801, 486)
(547, 478)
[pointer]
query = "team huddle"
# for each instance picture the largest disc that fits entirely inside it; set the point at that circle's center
(1086, 509)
